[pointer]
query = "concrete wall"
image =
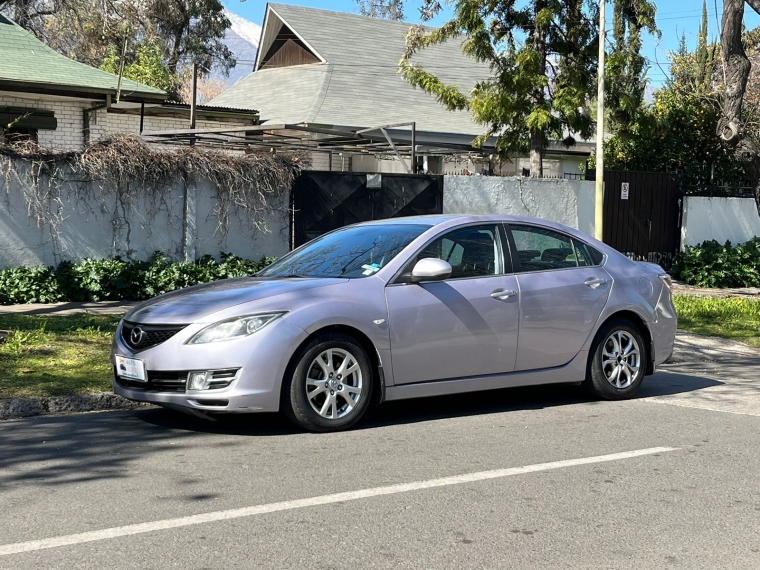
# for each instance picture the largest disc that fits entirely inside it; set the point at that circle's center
(570, 202)
(99, 227)
(721, 219)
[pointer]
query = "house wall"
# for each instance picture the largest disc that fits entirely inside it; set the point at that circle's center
(152, 223)
(569, 202)
(68, 112)
(103, 124)
(721, 219)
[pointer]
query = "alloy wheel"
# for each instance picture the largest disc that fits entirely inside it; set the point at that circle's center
(621, 359)
(334, 383)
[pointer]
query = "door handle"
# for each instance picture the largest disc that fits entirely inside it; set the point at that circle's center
(594, 282)
(502, 294)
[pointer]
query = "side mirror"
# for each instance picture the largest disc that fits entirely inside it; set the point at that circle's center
(431, 269)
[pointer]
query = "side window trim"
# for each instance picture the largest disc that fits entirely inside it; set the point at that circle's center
(499, 244)
(508, 227)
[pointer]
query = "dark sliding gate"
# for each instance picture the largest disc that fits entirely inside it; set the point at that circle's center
(642, 215)
(324, 201)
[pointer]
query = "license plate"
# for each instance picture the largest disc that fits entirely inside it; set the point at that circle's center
(131, 368)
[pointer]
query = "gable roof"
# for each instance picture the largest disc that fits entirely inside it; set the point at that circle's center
(26, 63)
(356, 83)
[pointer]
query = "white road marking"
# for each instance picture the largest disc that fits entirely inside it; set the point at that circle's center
(129, 530)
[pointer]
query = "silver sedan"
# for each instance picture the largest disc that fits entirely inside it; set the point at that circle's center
(402, 308)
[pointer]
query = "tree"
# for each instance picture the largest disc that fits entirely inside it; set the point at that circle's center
(147, 68)
(736, 69)
(677, 132)
(180, 31)
(542, 56)
(626, 71)
(388, 9)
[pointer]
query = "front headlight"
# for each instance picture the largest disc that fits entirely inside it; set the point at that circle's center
(234, 328)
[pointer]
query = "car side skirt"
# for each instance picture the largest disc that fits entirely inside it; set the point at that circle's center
(571, 373)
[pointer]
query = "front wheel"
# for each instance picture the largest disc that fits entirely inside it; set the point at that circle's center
(618, 361)
(330, 386)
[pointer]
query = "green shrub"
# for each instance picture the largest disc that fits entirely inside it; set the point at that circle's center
(116, 279)
(711, 264)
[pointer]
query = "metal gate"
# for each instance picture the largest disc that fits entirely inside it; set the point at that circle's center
(324, 201)
(642, 215)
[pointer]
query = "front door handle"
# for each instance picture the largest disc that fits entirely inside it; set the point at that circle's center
(502, 294)
(594, 282)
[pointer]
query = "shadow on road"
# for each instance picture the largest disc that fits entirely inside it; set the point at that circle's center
(57, 450)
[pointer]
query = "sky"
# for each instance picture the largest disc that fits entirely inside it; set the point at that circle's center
(674, 18)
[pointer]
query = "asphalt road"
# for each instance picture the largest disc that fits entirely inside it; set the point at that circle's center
(124, 489)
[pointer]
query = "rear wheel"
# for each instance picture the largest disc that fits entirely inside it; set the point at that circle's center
(618, 361)
(330, 385)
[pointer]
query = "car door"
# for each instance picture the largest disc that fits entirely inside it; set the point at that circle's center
(463, 326)
(563, 290)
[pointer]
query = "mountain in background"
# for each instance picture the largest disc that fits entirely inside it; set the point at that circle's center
(243, 40)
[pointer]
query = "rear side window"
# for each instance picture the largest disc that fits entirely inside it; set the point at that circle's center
(542, 249)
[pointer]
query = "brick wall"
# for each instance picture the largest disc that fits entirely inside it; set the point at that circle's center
(68, 135)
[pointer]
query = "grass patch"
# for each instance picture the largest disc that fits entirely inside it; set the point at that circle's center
(728, 317)
(53, 356)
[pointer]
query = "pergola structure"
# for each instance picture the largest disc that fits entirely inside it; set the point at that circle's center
(397, 140)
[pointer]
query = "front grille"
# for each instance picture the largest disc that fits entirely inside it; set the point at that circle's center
(176, 380)
(140, 337)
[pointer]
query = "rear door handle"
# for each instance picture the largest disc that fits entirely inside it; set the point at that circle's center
(502, 294)
(594, 282)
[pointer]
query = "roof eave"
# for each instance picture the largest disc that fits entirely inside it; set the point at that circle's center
(76, 90)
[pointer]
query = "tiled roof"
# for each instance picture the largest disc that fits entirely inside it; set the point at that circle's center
(358, 86)
(24, 60)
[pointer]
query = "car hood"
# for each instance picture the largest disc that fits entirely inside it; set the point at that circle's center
(194, 303)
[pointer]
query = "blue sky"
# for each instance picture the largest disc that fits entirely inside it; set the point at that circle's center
(674, 18)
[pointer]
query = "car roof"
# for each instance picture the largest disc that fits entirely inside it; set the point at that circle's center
(437, 219)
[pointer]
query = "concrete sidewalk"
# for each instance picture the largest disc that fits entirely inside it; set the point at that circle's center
(64, 309)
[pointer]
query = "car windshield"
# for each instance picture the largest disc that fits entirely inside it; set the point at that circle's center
(355, 252)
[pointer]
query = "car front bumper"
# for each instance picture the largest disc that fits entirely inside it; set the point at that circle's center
(261, 359)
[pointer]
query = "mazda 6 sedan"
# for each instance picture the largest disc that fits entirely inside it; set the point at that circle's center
(402, 308)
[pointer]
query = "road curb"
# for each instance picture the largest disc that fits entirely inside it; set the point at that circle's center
(14, 408)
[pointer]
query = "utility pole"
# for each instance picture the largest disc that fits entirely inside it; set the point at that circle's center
(194, 95)
(598, 203)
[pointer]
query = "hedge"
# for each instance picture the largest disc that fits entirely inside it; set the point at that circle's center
(116, 279)
(711, 264)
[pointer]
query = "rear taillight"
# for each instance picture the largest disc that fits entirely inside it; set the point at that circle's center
(665, 278)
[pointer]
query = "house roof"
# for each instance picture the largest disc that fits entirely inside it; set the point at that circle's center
(356, 83)
(27, 64)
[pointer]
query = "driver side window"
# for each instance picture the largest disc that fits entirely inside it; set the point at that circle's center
(474, 251)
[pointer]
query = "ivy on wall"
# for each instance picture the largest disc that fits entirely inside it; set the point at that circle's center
(110, 177)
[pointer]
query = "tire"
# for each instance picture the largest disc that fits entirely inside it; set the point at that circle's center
(606, 357)
(318, 402)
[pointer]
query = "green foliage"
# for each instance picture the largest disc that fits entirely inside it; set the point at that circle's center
(678, 132)
(116, 279)
(147, 68)
(711, 264)
(542, 57)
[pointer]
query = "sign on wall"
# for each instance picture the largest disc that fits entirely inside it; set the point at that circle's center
(624, 191)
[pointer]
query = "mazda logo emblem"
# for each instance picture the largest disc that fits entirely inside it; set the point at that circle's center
(136, 336)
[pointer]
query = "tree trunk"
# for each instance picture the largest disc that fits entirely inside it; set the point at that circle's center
(538, 96)
(736, 69)
(536, 155)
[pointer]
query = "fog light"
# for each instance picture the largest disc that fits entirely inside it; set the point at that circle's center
(198, 380)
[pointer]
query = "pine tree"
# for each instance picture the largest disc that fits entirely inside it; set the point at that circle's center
(626, 67)
(706, 57)
(542, 55)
